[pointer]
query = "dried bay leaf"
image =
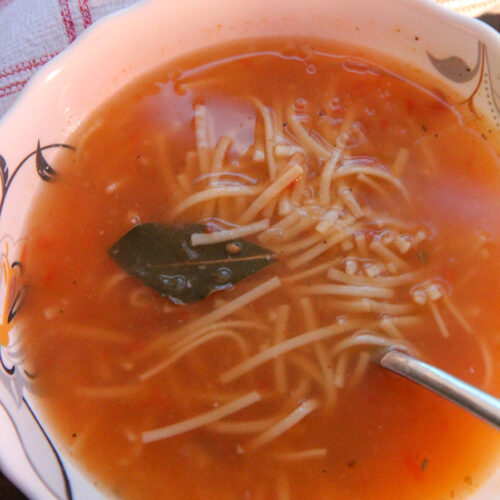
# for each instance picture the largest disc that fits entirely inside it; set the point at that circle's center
(162, 258)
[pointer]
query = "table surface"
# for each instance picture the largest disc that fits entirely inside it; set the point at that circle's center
(10, 492)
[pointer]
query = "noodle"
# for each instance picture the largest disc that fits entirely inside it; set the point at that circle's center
(243, 427)
(201, 420)
(286, 150)
(384, 281)
(269, 135)
(326, 178)
(201, 132)
(268, 194)
(488, 364)
(329, 220)
(214, 193)
(228, 234)
(320, 248)
(439, 319)
(283, 314)
(350, 201)
(348, 170)
(284, 425)
(361, 339)
(457, 314)
(270, 208)
(219, 153)
(390, 329)
(284, 204)
(196, 343)
(283, 487)
(313, 271)
(234, 305)
(400, 162)
(191, 165)
(306, 223)
(178, 343)
(298, 245)
(286, 346)
(361, 367)
(298, 190)
(305, 140)
(184, 182)
(306, 366)
(360, 240)
(368, 181)
(388, 255)
(248, 325)
(340, 369)
(311, 323)
(217, 164)
(276, 229)
(298, 456)
(346, 290)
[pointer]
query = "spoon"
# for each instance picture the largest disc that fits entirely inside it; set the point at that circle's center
(470, 398)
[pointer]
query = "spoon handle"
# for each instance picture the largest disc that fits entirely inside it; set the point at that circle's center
(470, 398)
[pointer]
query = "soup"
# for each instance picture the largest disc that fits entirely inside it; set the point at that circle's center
(359, 204)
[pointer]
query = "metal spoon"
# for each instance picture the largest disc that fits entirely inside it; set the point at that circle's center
(470, 398)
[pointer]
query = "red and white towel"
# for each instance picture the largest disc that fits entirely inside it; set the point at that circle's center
(33, 31)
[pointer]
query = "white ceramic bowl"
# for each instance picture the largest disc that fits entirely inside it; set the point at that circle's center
(463, 52)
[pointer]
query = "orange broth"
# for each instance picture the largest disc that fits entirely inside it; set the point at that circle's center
(385, 437)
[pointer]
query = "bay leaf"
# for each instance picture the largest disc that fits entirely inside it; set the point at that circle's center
(163, 258)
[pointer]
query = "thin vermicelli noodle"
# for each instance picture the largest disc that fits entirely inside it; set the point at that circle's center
(196, 343)
(301, 455)
(284, 425)
(202, 420)
(340, 175)
(280, 326)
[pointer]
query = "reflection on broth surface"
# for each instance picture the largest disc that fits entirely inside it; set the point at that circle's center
(375, 200)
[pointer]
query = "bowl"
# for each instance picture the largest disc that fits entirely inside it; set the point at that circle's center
(462, 52)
